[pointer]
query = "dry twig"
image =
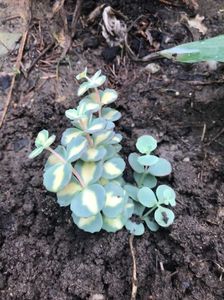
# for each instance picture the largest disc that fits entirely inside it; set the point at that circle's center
(134, 272)
(76, 16)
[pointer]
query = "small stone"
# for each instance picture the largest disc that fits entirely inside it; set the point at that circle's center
(186, 159)
(152, 68)
(97, 297)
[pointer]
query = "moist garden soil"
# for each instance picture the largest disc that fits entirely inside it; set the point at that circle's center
(43, 255)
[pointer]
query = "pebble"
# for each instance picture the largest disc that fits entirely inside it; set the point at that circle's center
(186, 159)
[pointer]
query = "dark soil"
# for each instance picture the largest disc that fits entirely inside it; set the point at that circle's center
(43, 254)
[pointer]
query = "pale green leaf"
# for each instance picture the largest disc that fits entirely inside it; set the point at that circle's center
(94, 154)
(164, 216)
(115, 201)
(36, 152)
(145, 180)
(113, 224)
(110, 114)
(91, 224)
(133, 161)
(147, 197)
(146, 144)
(166, 195)
(151, 224)
(82, 75)
(132, 191)
(42, 137)
(103, 137)
(76, 148)
(70, 134)
(134, 228)
(89, 201)
(211, 49)
(148, 160)
(57, 177)
(161, 168)
(65, 196)
(83, 88)
(113, 168)
(53, 159)
(90, 172)
(97, 125)
(108, 96)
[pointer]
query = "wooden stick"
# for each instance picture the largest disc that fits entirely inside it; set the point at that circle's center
(76, 16)
(17, 66)
(134, 271)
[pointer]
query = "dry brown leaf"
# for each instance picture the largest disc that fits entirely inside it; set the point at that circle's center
(197, 23)
(114, 29)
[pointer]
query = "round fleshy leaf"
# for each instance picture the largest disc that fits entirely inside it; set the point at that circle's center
(128, 209)
(134, 228)
(76, 147)
(53, 160)
(94, 154)
(65, 196)
(83, 88)
(148, 160)
(114, 200)
(91, 224)
(113, 224)
(151, 224)
(147, 180)
(90, 172)
(146, 144)
(138, 209)
(113, 168)
(110, 114)
(108, 96)
(110, 125)
(82, 75)
(166, 195)
(57, 177)
(70, 134)
(96, 125)
(96, 75)
(50, 141)
(111, 152)
(72, 114)
(164, 216)
(102, 138)
(118, 180)
(42, 137)
(133, 161)
(97, 80)
(161, 168)
(115, 139)
(147, 197)
(36, 152)
(132, 191)
(89, 201)
(87, 105)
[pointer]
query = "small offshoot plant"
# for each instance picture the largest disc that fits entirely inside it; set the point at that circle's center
(86, 170)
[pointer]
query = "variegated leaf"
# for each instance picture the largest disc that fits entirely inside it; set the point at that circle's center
(91, 224)
(97, 125)
(76, 148)
(113, 168)
(90, 172)
(113, 224)
(115, 201)
(53, 160)
(65, 196)
(94, 154)
(103, 137)
(69, 134)
(57, 177)
(111, 114)
(108, 96)
(89, 201)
